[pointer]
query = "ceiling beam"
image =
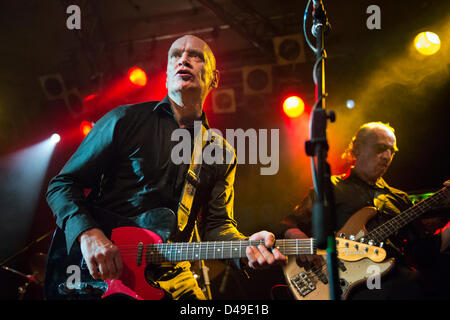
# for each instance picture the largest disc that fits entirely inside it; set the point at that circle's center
(238, 18)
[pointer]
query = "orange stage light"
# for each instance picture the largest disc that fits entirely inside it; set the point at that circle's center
(85, 127)
(137, 76)
(293, 106)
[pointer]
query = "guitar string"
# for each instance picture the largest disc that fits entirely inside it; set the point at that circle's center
(231, 243)
(173, 247)
(312, 272)
(407, 216)
(209, 246)
(212, 245)
(209, 252)
(168, 250)
(189, 249)
(157, 259)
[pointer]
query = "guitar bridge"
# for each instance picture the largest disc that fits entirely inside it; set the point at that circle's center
(304, 283)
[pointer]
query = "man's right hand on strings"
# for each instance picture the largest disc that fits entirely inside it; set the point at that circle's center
(306, 261)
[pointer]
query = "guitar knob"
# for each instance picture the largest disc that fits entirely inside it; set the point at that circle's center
(352, 237)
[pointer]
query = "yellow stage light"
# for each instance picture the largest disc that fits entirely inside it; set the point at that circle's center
(427, 43)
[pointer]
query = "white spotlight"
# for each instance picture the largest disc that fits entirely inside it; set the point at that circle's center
(55, 138)
(350, 104)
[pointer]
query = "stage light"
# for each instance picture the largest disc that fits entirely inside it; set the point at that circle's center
(137, 76)
(350, 104)
(90, 97)
(427, 43)
(21, 190)
(55, 138)
(293, 106)
(85, 127)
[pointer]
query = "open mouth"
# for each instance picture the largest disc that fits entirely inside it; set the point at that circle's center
(184, 74)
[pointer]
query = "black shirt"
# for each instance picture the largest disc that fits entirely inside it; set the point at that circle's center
(126, 161)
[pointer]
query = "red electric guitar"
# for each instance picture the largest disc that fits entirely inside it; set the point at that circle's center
(140, 249)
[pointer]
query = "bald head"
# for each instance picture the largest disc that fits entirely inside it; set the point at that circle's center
(191, 69)
(372, 149)
(195, 43)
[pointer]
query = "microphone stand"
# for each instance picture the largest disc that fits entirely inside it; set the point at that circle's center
(323, 210)
(28, 246)
(31, 278)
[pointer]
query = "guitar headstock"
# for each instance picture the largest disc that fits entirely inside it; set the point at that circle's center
(350, 250)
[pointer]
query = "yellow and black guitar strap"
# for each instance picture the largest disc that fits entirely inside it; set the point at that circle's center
(192, 178)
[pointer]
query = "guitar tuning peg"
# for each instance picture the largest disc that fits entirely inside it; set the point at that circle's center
(341, 235)
(371, 243)
(362, 240)
(352, 237)
(381, 244)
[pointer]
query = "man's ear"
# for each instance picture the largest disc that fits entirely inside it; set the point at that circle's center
(167, 78)
(215, 80)
(356, 151)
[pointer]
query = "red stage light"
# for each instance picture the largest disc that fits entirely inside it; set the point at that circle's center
(137, 76)
(293, 106)
(90, 97)
(85, 127)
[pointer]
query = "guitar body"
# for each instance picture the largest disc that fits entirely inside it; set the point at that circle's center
(307, 285)
(133, 281)
(125, 232)
(356, 224)
(313, 285)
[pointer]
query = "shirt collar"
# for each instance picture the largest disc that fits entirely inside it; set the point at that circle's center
(380, 184)
(166, 106)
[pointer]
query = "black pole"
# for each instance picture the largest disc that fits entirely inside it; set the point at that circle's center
(317, 147)
(28, 246)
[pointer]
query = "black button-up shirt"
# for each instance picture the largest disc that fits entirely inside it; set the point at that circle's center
(126, 161)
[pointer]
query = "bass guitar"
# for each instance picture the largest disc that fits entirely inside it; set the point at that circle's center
(314, 284)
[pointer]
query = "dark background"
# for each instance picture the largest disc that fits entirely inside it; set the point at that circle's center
(378, 69)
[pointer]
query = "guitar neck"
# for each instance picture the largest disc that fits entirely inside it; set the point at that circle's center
(388, 228)
(217, 250)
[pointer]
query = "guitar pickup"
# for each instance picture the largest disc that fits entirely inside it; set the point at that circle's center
(140, 250)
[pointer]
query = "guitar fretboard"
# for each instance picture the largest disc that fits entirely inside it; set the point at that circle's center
(382, 232)
(216, 250)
